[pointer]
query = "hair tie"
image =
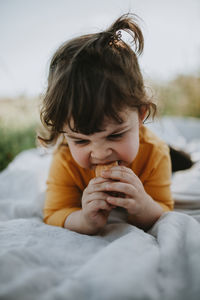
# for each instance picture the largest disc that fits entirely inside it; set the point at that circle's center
(115, 38)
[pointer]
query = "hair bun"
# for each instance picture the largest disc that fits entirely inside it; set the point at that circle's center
(128, 23)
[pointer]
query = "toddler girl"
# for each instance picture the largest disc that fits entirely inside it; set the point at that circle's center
(96, 101)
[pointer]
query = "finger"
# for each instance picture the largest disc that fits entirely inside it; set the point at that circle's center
(120, 173)
(97, 186)
(96, 180)
(127, 203)
(100, 204)
(121, 187)
(94, 196)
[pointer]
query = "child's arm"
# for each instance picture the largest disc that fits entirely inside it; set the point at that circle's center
(95, 210)
(68, 203)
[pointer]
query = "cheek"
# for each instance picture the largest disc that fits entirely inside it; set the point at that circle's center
(79, 155)
(129, 149)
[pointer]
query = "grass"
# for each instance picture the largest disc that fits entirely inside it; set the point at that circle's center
(19, 118)
(180, 97)
(13, 141)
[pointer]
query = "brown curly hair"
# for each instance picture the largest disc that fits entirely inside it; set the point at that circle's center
(92, 77)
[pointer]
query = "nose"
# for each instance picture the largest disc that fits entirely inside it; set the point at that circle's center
(100, 153)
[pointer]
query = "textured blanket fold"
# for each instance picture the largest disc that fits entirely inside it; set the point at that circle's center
(38, 261)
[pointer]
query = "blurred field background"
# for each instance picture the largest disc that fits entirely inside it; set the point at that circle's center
(20, 121)
(180, 97)
(29, 37)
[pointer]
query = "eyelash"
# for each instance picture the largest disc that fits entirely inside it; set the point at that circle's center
(81, 142)
(115, 136)
(110, 137)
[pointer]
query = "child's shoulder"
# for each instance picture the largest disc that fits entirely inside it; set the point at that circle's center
(62, 149)
(150, 140)
(63, 155)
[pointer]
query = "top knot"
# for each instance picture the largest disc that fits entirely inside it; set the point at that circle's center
(128, 23)
(115, 38)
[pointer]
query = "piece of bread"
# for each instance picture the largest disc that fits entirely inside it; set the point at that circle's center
(100, 168)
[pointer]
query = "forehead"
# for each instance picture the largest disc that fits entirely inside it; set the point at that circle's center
(127, 116)
(130, 118)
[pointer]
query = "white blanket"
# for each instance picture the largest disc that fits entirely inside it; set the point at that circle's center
(38, 261)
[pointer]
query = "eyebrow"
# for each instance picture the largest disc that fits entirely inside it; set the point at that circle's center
(119, 130)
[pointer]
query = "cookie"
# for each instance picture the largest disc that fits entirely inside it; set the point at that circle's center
(100, 168)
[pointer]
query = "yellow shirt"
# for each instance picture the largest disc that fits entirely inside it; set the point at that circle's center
(67, 179)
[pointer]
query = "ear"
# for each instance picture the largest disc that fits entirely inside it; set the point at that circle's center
(143, 110)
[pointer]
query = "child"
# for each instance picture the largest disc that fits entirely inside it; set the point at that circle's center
(96, 100)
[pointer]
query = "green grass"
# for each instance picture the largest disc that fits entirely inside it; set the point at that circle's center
(13, 141)
(19, 121)
(180, 97)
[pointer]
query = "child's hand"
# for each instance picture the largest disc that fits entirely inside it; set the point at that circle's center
(95, 208)
(125, 181)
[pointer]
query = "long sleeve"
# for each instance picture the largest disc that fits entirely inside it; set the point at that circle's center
(158, 183)
(64, 188)
(153, 166)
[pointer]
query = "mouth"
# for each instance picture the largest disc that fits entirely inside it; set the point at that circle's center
(106, 163)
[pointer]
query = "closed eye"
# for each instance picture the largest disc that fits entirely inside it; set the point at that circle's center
(81, 142)
(115, 136)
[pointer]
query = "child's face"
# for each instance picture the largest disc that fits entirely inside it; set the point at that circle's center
(117, 142)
